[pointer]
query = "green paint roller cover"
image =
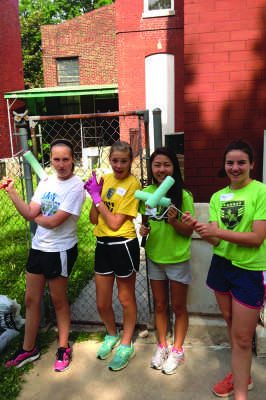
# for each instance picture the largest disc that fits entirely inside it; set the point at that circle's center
(160, 192)
(164, 201)
(29, 157)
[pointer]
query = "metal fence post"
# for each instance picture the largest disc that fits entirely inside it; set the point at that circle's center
(21, 122)
(157, 127)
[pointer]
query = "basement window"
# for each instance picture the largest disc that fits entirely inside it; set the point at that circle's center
(67, 71)
(158, 8)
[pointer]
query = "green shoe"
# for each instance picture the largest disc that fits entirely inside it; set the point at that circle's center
(106, 348)
(121, 357)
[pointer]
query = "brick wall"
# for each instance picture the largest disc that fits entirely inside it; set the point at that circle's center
(225, 87)
(92, 38)
(11, 70)
(138, 38)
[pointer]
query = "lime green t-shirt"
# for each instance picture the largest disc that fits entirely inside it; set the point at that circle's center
(236, 210)
(164, 244)
(118, 196)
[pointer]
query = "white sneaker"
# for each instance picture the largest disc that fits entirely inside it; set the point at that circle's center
(159, 357)
(174, 359)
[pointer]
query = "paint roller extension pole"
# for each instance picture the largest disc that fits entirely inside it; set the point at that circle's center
(29, 157)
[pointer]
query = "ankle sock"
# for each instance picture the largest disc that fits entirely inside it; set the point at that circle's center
(174, 350)
(126, 347)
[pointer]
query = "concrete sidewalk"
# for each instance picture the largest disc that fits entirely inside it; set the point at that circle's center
(89, 378)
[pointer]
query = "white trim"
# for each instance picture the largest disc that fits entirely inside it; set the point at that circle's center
(158, 13)
(9, 125)
(160, 91)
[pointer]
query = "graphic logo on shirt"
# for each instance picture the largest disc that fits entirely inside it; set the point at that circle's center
(232, 213)
(110, 205)
(49, 205)
(110, 193)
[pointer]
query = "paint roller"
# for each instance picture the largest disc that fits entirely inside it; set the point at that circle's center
(144, 196)
(29, 157)
(155, 198)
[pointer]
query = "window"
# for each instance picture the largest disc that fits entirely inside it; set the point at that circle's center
(158, 8)
(67, 71)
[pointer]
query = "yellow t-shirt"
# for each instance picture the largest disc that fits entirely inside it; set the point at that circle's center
(118, 196)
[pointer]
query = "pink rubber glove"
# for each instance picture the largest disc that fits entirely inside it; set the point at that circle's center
(94, 188)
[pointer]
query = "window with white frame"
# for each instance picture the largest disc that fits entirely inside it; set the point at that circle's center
(158, 8)
(67, 71)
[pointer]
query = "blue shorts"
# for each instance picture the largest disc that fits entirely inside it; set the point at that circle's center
(245, 286)
(52, 264)
(116, 255)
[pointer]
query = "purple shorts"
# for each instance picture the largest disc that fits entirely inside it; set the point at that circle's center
(245, 286)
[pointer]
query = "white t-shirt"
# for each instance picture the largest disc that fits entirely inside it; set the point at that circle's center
(52, 195)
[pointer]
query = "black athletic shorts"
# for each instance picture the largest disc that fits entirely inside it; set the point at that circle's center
(117, 255)
(52, 264)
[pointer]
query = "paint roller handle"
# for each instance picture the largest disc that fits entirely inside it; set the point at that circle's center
(144, 238)
(4, 185)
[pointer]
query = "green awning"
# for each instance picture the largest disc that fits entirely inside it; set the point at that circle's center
(58, 91)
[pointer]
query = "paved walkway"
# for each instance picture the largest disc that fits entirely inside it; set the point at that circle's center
(89, 378)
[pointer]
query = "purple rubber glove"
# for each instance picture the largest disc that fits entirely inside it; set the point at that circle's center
(94, 188)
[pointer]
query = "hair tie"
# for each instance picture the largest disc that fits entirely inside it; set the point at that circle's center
(62, 141)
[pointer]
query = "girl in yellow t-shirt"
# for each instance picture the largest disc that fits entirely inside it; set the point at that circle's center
(117, 251)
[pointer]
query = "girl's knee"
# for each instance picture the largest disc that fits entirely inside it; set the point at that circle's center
(127, 301)
(31, 301)
(160, 306)
(179, 310)
(241, 340)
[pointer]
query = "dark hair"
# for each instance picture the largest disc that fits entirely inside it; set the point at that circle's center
(236, 145)
(64, 142)
(175, 193)
(122, 146)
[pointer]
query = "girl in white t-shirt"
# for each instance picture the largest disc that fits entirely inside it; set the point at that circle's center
(55, 207)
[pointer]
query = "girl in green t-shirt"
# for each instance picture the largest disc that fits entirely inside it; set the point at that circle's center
(237, 231)
(168, 254)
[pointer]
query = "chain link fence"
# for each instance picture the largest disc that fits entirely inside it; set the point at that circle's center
(92, 136)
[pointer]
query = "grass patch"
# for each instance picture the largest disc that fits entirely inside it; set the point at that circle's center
(14, 253)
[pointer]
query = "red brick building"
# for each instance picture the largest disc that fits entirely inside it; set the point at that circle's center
(225, 86)
(90, 39)
(11, 70)
(202, 62)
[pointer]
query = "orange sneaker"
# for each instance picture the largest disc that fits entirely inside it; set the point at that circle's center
(225, 387)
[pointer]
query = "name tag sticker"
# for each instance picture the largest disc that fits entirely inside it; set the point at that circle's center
(226, 196)
(121, 191)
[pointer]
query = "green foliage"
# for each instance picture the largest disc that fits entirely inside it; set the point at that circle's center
(14, 252)
(33, 14)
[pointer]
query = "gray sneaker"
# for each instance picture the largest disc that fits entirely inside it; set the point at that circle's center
(174, 359)
(159, 357)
